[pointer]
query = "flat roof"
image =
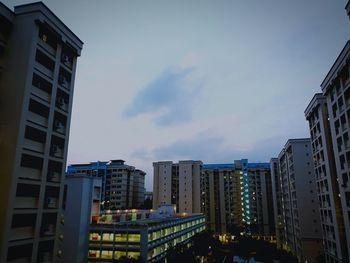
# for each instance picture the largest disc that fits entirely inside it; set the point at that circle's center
(152, 221)
(40, 3)
(218, 166)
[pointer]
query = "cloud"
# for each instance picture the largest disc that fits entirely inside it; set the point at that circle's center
(170, 97)
(213, 149)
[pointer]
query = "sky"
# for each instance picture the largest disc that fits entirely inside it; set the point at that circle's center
(205, 80)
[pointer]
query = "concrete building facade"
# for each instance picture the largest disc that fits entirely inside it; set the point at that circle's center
(177, 183)
(238, 196)
(332, 218)
(81, 206)
(123, 186)
(336, 89)
(38, 59)
(300, 206)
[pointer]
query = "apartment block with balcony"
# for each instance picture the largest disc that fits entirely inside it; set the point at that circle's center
(332, 218)
(336, 90)
(238, 196)
(277, 203)
(38, 52)
(123, 186)
(178, 184)
(300, 202)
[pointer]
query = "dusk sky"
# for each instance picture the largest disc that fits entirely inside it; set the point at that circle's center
(206, 80)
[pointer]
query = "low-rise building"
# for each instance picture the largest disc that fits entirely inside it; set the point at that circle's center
(144, 234)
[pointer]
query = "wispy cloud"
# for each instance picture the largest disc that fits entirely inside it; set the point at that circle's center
(171, 97)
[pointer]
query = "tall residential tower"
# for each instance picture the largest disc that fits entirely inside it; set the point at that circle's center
(238, 197)
(332, 218)
(179, 184)
(38, 59)
(300, 208)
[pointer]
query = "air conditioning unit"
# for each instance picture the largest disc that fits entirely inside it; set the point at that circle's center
(62, 81)
(54, 148)
(51, 202)
(65, 59)
(61, 102)
(56, 151)
(58, 126)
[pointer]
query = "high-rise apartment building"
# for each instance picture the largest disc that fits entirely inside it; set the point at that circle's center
(277, 203)
(332, 218)
(300, 202)
(336, 89)
(123, 186)
(238, 196)
(178, 184)
(38, 59)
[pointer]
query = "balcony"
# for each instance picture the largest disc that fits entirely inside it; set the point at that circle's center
(63, 82)
(33, 146)
(44, 70)
(53, 176)
(46, 257)
(48, 230)
(22, 202)
(51, 203)
(44, 63)
(56, 151)
(48, 40)
(67, 60)
(21, 233)
(38, 119)
(59, 126)
(29, 173)
(62, 103)
(47, 47)
(64, 78)
(41, 94)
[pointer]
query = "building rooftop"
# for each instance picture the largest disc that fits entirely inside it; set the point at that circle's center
(337, 67)
(315, 101)
(41, 7)
(134, 217)
(233, 166)
(72, 168)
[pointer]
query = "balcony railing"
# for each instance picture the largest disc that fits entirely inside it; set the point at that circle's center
(51, 203)
(38, 119)
(41, 94)
(44, 70)
(30, 173)
(19, 233)
(33, 145)
(26, 202)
